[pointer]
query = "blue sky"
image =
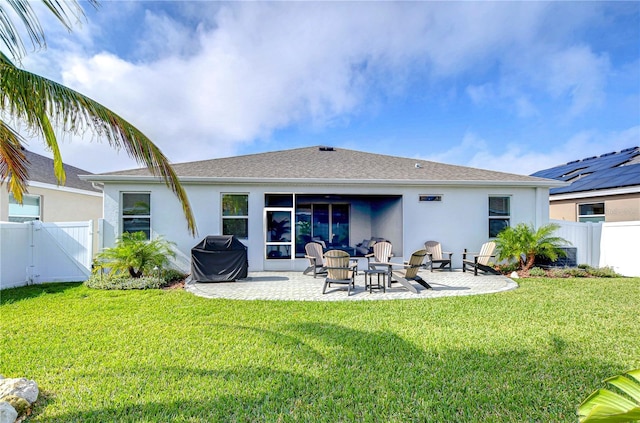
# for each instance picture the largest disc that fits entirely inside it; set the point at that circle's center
(510, 86)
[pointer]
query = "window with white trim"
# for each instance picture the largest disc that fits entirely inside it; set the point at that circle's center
(499, 214)
(591, 212)
(136, 212)
(235, 215)
(27, 211)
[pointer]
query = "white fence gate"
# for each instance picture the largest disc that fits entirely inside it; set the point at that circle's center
(605, 244)
(37, 252)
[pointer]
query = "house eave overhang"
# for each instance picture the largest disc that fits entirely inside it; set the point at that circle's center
(129, 179)
(63, 188)
(595, 193)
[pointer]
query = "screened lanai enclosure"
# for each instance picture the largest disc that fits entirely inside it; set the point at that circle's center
(335, 221)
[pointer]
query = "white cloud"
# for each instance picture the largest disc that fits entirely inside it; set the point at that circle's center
(580, 74)
(248, 69)
(474, 151)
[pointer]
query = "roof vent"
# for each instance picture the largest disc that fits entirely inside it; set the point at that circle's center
(418, 166)
(324, 148)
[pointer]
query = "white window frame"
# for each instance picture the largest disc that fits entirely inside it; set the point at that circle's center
(233, 217)
(134, 216)
(24, 217)
(599, 217)
(506, 218)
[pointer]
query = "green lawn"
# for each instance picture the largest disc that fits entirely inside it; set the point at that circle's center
(532, 354)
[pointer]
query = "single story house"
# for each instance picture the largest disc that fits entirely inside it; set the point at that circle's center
(76, 200)
(278, 201)
(603, 188)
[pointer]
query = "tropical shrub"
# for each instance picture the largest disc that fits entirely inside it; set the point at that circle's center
(522, 244)
(559, 272)
(116, 282)
(505, 268)
(600, 272)
(537, 272)
(134, 254)
(172, 275)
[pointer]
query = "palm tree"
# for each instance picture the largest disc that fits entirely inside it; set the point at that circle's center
(39, 104)
(134, 254)
(522, 243)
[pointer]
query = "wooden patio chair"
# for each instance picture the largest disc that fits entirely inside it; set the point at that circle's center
(436, 255)
(409, 271)
(380, 258)
(316, 259)
(340, 270)
(480, 261)
(381, 253)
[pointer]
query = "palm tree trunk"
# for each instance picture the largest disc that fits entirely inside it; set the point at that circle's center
(134, 273)
(531, 258)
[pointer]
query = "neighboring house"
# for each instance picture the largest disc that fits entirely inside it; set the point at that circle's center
(278, 201)
(47, 201)
(601, 188)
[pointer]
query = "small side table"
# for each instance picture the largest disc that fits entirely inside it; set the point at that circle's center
(380, 273)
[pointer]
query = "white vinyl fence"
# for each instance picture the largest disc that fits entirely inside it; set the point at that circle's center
(605, 244)
(37, 252)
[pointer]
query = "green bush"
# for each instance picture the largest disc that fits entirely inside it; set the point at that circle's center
(576, 272)
(505, 268)
(568, 272)
(173, 275)
(582, 271)
(558, 273)
(603, 272)
(103, 281)
(537, 272)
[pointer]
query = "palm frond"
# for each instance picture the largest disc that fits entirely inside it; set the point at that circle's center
(40, 103)
(606, 405)
(13, 162)
(67, 12)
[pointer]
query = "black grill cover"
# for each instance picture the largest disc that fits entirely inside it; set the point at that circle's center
(218, 259)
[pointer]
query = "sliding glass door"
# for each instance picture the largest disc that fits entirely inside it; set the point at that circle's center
(326, 223)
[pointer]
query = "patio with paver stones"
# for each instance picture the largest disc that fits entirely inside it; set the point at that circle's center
(294, 286)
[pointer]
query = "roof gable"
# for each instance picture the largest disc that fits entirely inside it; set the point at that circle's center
(607, 171)
(327, 163)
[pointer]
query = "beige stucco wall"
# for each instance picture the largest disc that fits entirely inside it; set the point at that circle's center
(62, 206)
(563, 210)
(618, 208)
(59, 206)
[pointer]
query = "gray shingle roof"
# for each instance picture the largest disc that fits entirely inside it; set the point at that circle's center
(41, 170)
(611, 170)
(314, 163)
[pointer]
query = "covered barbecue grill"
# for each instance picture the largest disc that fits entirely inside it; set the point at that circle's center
(218, 259)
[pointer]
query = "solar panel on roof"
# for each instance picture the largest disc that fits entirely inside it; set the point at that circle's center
(606, 171)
